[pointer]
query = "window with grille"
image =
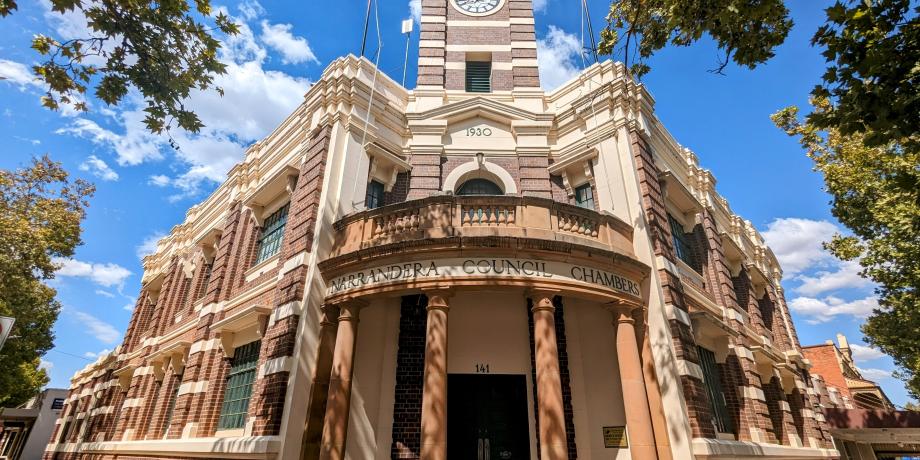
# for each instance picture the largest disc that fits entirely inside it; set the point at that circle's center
(682, 246)
(478, 76)
(721, 418)
(272, 233)
(584, 196)
(374, 197)
(239, 386)
(171, 407)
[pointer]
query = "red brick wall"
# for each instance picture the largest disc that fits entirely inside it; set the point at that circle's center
(824, 363)
(410, 368)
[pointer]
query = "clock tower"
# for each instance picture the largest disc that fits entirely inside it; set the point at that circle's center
(477, 46)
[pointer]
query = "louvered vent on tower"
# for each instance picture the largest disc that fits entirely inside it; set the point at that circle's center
(478, 76)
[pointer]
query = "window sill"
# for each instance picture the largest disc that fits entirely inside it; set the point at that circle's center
(262, 267)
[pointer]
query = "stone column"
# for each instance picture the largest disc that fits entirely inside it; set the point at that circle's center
(335, 424)
(635, 398)
(316, 409)
(434, 392)
(549, 383)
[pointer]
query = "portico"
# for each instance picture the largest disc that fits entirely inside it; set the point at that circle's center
(571, 257)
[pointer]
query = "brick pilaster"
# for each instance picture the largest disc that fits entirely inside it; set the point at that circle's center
(698, 407)
(425, 178)
(410, 367)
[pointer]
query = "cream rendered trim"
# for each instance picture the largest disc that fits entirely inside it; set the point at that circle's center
(502, 66)
(429, 18)
(753, 393)
(667, 265)
(193, 387)
(521, 21)
(430, 61)
(785, 406)
(292, 308)
(463, 23)
(677, 314)
(204, 345)
(455, 65)
(252, 447)
(507, 182)
(743, 352)
(704, 448)
(478, 47)
(524, 62)
(524, 45)
(431, 43)
(685, 367)
(133, 402)
(276, 365)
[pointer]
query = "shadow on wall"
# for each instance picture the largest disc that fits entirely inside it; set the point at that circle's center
(862, 418)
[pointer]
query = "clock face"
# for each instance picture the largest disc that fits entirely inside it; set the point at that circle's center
(477, 7)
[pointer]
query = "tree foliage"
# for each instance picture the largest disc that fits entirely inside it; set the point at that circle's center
(162, 49)
(40, 215)
(863, 134)
(876, 195)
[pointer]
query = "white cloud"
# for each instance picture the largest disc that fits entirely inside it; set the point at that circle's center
(92, 355)
(824, 310)
(149, 245)
(845, 277)
(875, 374)
(862, 353)
(106, 275)
(46, 365)
(294, 50)
(797, 243)
(557, 56)
(250, 10)
(102, 331)
(159, 180)
(105, 293)
(415, 9)
(99, 168)
(128, 307)
(18, 74)
(134, 147)
(540, 5)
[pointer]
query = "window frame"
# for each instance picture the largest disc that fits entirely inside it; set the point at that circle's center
(683, 249)
(234, 409)
(480, 66)
(271, 235)
(374, 186)
(586, 187)
(722, 419)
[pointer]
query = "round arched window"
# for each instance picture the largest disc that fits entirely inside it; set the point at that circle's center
(479, 187)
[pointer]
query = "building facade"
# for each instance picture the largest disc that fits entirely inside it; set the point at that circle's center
(24, 430)
(845, 384)
(473, 269)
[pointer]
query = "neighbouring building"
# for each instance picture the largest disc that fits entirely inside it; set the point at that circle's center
(845, 384)
(473, 269)
(24, 430)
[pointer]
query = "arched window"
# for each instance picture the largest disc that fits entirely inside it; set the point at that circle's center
(479, 187)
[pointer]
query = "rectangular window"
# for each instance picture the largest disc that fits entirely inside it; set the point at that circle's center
(374, 197)
(272, 233)
(584, 196)
(171, 407)
(239, 386)
(682, 246)
(478, 76)
(57, 403)
(721, 418)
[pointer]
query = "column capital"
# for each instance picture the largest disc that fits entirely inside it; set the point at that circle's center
(542, 299)
(349, 308)
(437, 298)
(329, 314)
(624, 311)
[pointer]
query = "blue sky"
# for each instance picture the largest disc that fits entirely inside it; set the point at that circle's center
(144, 187)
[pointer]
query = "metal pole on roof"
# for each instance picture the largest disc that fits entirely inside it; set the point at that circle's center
(367, 21)
(406, 29)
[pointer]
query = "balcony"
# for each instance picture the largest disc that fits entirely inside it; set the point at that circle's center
(480, 241)
(490, 220)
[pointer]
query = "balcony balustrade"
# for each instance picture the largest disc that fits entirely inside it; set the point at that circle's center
(451, 217)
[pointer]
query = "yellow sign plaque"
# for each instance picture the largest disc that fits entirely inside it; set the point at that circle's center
(615, 437)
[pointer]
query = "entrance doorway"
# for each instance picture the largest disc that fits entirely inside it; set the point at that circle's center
(487, 417)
